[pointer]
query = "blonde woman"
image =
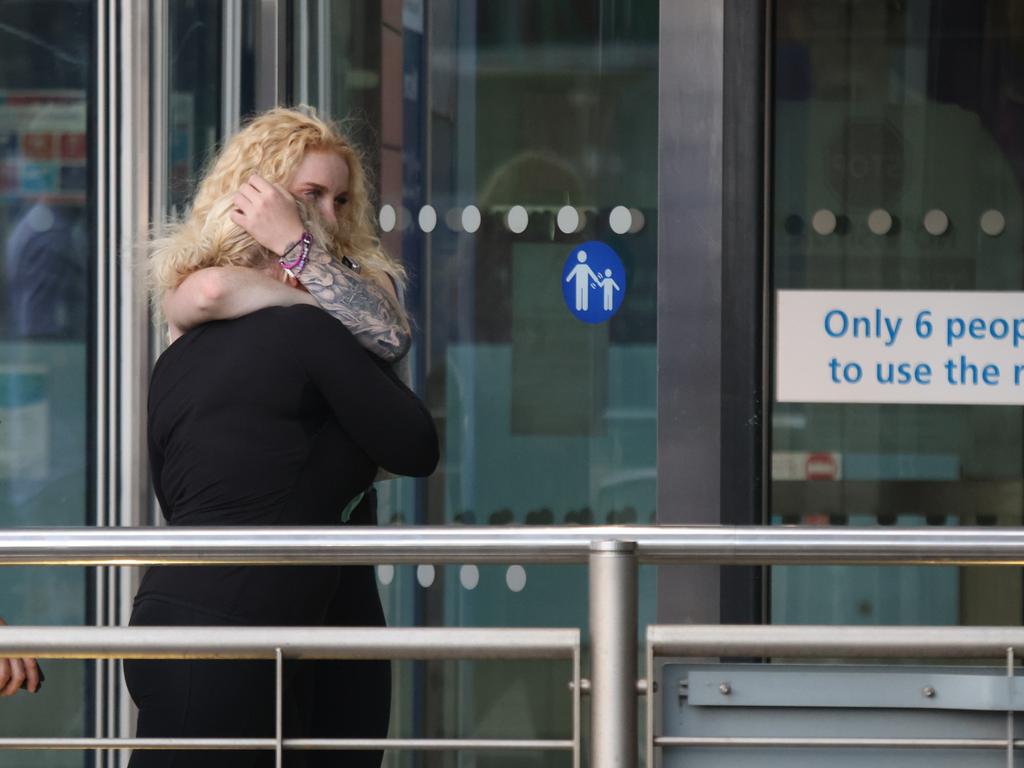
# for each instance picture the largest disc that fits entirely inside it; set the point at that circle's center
(275, 415)
(282, 156)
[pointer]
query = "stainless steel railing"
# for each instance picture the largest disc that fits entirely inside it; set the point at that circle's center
(809, 641)
(613, 554)
(719, 545)
(280, 643)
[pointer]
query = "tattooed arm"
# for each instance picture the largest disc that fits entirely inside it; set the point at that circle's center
(365, 307)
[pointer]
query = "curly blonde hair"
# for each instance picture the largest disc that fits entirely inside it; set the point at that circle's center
(272, 145)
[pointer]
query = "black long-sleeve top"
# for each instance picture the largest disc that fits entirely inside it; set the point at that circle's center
(276, 418)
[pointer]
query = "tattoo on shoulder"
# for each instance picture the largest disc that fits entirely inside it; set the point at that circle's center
(363, 306)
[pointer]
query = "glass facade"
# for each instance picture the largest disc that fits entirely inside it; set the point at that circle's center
(500, 136)
(897, 166)
(45, 337)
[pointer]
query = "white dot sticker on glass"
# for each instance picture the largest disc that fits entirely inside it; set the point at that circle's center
(824, 222)
(936, 222)
(425, 575)
(568, 219)
(469, 576)
(471, 218)
(517, 219)
(385, 574)
(992, 222)
(388, 218)
(428, 218)
(515, 577)
(880, 221)
(620, 219)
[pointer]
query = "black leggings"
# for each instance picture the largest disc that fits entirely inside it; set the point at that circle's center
(208, 699)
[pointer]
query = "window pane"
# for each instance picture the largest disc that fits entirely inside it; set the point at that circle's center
(891, 118)
(194, 108)
(469, 110)
(45, 333)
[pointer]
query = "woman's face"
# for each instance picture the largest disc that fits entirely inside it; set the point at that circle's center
(321, 180)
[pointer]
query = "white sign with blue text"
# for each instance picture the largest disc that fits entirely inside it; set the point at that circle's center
(964, 347)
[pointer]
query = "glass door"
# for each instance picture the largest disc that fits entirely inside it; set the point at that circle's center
(504, 139)
(897, 168)
(47, 339)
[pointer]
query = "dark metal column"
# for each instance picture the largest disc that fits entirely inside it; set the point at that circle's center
(689, 292)
(744, 327)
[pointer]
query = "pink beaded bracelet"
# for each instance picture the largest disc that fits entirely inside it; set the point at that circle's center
(294, 267)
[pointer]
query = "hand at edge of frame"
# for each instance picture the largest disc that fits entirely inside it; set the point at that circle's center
(18, 673)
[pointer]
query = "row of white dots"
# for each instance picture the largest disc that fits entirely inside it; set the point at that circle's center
(570, 220)
(469, 576)
(935, 222)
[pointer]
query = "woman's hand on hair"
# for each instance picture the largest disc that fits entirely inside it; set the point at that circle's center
(15, 672)
(268, 213)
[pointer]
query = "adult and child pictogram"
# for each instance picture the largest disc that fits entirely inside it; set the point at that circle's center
(593, 266)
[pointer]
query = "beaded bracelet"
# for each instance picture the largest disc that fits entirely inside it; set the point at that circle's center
(294, 267)
(290, 248)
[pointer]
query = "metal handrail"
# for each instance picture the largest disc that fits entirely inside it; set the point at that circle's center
(807, 640)
(722, 545)
(46, 642)
(280, 643)
(810, 641)
(612, 552)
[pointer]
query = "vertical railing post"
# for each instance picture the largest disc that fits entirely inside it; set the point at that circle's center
(278, 707)
(613, 628)
(1010, 712)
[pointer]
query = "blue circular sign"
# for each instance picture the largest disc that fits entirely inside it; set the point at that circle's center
(593, 282)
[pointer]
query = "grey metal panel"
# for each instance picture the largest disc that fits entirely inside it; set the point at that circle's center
(855, 688)
(689, 291)
(986, 728)
(764, 757)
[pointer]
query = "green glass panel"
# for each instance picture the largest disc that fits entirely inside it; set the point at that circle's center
(544, 420)
(44, 340)
(884, 114)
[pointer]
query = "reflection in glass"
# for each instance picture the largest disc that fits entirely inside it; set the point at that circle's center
(904, 120)
(194, 94)
(499, 116)
(45, 331)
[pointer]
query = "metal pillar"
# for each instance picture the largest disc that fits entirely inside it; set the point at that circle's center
(272, 56)
(231, 69)
(613, 629)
